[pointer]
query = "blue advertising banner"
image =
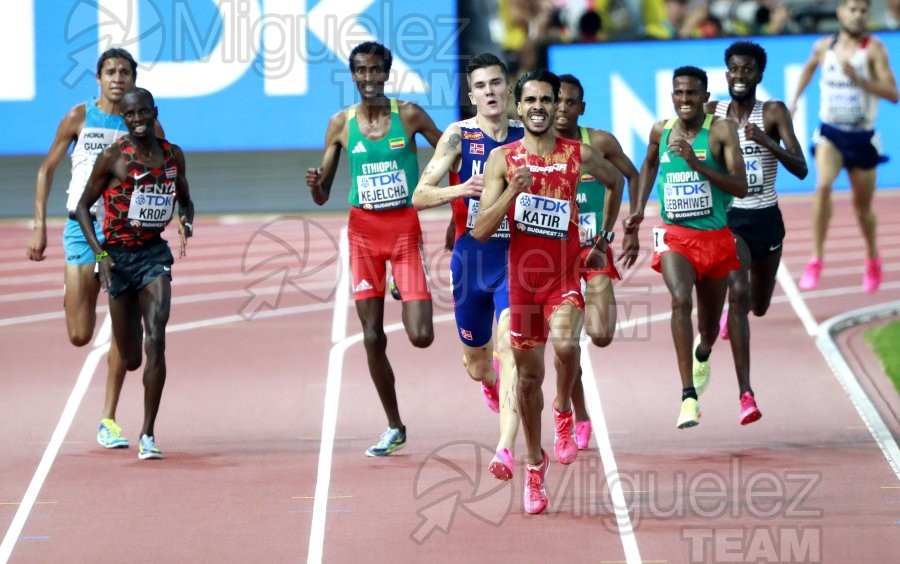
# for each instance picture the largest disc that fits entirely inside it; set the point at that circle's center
(628, 87)
(226, 74)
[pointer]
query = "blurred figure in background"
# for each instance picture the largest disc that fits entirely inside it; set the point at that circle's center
(855, 74)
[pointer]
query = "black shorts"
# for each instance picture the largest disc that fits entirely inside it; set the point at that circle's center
(138, 266)
(860, 149)
(762, 229)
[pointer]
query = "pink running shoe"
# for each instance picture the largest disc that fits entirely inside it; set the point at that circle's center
(535, 492)
(872, 276)
(583, 434)
(723, 326)
(564, 440)
(492, 394)
(749, 411)
(502, 465)
(810, 278)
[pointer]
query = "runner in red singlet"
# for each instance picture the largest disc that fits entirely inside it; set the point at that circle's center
(533, 183)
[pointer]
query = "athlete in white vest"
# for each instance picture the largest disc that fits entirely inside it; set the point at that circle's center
(91, 126)
(855, 74)
(755, 220)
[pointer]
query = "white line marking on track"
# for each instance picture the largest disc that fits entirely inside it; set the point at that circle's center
(329, 423)
(56, 440)
(797, 302)
(604, 445)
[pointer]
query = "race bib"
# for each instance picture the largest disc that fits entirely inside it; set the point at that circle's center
(383, 191)
(501, 233)
(587, 228)
(685, 200)
(659, 240)
(150, 211)
(755, 178)
(542, 216)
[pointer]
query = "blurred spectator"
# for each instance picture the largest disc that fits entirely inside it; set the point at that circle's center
(892, 15)
(751, 17)
(590, 27)
(515, 17)
(674, 19)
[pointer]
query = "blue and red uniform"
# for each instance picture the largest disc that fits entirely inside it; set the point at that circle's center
(478, 270)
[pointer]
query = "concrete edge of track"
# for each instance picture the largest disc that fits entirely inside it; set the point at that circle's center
(826, 341)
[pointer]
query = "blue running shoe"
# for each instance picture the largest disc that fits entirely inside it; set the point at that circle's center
(110, 435)
(147, 449)
(391, 441)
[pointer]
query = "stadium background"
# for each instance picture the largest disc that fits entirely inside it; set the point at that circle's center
(247, 87)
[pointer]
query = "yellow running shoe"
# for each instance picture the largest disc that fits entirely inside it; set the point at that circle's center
(701, 371)
(109, 435)
(690, 414)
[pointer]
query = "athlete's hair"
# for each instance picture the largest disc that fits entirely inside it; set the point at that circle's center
(868, 3)
(372, 48)
(748, 49)
(695, 72)
(539, 75)
(483, 61)
(570, 79)
(117, 53)
(138, 91)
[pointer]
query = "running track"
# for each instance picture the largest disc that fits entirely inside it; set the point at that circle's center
(268, 409)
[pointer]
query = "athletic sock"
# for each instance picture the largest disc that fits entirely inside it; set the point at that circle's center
(688, 393)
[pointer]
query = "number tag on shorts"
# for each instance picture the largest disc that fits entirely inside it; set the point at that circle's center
(587, 228)
(659, 240)
(501, 233)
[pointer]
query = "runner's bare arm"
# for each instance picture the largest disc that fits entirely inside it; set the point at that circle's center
(809, 68)
(319, 179)
(883, 83)
(185, 204)
(777, 120)
(649, 170)
(66, 133)
(612, 150)
(497, 196)
(428, 193)
(603, 170)
(108, 166)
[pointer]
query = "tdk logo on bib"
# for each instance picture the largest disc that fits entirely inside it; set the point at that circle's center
(542, 216)
(383, 188)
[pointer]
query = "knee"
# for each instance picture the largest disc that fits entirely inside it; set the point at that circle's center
(421, 338)
(79, 339)
(739, 298)
(601, 340)
(682, 303)
(154, 344)
(567, 349)
(132, 361)
(760, 310)
(374, 341)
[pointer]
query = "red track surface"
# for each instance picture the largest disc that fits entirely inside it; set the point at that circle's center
(241, 426)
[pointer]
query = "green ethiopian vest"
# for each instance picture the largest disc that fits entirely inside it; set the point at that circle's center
(383, 172)
(686, 197)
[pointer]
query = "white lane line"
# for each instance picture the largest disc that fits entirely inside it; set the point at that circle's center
(796, 300)
(56, 440)
(342, 286)
(77, 395)
(592, 396)
(329, 423)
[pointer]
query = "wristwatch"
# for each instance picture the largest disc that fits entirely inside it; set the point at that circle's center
(608, 235)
